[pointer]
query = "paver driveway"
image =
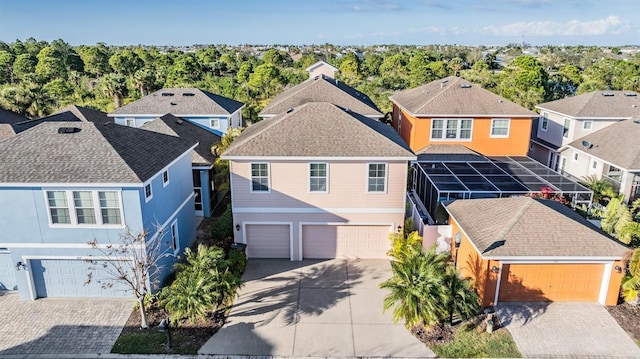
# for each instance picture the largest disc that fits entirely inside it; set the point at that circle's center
(327, 308)
(60, 326)
(566, 330)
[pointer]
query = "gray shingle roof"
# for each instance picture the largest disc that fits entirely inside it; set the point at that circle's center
(174, 126)
(9, 120)
(98, 153)
(448, 152)
(618, 143)
(180, 102)
(527, 227)
(322, 89)
(319, 129)
(454, 96)
(69, 114)
(596, 105)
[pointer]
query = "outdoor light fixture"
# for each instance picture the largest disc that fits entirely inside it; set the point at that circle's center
(399, 229)
(457, 239)
(618, 269)
(21, 265)
(237, 227)
(495, 269)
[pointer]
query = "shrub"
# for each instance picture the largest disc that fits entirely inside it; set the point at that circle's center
(222, 231)
(237, 261)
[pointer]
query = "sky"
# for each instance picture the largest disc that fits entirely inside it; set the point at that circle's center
(339, 22)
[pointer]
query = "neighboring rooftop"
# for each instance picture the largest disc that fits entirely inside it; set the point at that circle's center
(8, 119)
(180, 102)
(319, 129)
(322, 89)
(175, 126)
(597, 105)
(448, 152)
(527, 227)
(618, 144)
(321, 67)
(87, 152)
(454, 96)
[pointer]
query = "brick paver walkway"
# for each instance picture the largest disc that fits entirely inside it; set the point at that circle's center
(60, 326)
(566, 330)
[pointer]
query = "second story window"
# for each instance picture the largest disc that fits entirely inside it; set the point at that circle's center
(587, 125)
(85, 211)
(544, 122)
(148, 192)
(318, 177)
(451, 129)
(214, 123)
(175, 241)
(165, 178)
(58, 207)
(500, 127)
(84, 207)
(259, 177)
(565, 128)
(377, 178)
(131, 122)
(110, 207)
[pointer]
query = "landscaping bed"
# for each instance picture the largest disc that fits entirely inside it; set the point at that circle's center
(628, 317)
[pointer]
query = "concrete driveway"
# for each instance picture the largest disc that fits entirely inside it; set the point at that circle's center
(329, 308)
(566, 330)
(57, 326)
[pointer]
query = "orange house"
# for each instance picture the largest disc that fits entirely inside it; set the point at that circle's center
(454, 111)
(532, 250)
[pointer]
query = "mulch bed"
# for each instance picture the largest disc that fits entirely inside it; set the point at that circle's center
(628, 317)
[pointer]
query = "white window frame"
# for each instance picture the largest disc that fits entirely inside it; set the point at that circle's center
(147, 197)
(165, 178)
(594, 164)
(93, 206)
(445, 122)
(73, 215)
(584, 125)
(131, 122)
(174, 237)
(493, 121)
(268, 176)
(386, 176)
(325, 177)
(566, 124)
(576, 156)
(214, 123)
(544, 123)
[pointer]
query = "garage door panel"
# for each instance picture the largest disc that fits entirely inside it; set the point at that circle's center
(550, 282)
(345, 241)
(7, 273)
(67, 278)
(268, 240)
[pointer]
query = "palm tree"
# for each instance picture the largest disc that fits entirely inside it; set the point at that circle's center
(631, 287)
(115, 86)
(465, 300)
(143, 80)
(221, 177)
(602, 189)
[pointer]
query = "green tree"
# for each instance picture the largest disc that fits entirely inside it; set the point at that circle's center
(125, 62)
(221, 176)
(144, 80)
(114, 86)
(58, 89)
(264, 80)
(245, 70)
(276, 57)
(95, 59)
(456, 64)
(631, 284)
(6, 67)
(350, 69)
(524, 82)
(602, 188)
(185, 71)
(50, 64)
(371, 65)
(25, 64)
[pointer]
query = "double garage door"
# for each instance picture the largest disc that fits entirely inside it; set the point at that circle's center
(550, 282)
(7, 272)
(68, 278)
(318, 241)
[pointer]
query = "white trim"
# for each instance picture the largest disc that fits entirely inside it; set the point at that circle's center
(57, 245)
(564, 121)
(444, 137)
(491, 135)
(616, 118)
(301, 224)
(71, 185)
(165, 184)
(173, 229)
(326, 177)
(202, 167)
(386, 178)
(144, 191)
(321, 158)
(601, 159)
(217, 119)
(542, 121)
(251, 190)
(604, 285)
(97, 209)
(198, 116)
(231, 187)
(290, 224)
(318, 210)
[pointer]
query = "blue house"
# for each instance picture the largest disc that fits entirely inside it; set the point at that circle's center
(65, 183)
(214, 112)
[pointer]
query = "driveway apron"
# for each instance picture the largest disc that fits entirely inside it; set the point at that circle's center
(566, 330)
(60, 325)
(329, 308)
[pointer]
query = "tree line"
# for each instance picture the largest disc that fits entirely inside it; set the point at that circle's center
(38, 77)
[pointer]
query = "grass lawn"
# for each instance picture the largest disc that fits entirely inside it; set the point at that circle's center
(471, 342)
(153, 341)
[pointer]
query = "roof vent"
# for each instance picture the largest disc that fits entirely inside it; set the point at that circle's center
(634, 105)
(637, 121)
(167, 94)
(500, 101)
(68, 130)
(173, 103)
(630, 94)
(315, 78)
(607, 94)
(442, 83)
(290, 109)
(188, 94)
(179, 121)
(465, 86)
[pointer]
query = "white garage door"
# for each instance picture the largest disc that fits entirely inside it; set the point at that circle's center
(268, 240)
(7, 272)
(345, 241)
(67, 278)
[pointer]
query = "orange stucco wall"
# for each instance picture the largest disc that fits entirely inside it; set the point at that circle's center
(614, 284)
(416, 132)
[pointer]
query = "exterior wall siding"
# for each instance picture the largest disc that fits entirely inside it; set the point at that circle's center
(202, 121)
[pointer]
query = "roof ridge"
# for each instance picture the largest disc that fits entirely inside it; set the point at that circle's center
(335, 84)
(514, 219)
(589, 98)
(456, 79)
(272, 122)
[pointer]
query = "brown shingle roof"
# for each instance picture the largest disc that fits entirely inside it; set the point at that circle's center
(454, 96)
(174, 126)
(180, 102)
(322, 89)
(448, 152)
(618, 144)
(527, 227)
(319, 129)
(97, 153)
(596, 105)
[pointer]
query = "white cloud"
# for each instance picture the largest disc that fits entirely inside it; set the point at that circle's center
(610, 25)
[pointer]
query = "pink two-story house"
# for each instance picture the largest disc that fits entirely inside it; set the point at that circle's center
(318, 181)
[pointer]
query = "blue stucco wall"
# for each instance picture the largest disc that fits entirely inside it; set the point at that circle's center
(202, 121)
